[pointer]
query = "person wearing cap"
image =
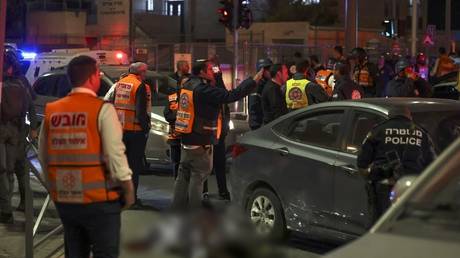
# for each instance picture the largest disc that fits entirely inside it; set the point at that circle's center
(364, 72)
(256, 115)
(273, 102)
(402, 84)
(344, 87)
(392, 149)
(132, 101)
(198, 123)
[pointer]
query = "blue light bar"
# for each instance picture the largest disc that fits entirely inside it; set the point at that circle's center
(29, 55)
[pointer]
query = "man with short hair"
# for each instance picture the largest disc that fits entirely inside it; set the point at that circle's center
(197, 122)
(273, 101)
(83, 157)
(132, 100)
(337, 56)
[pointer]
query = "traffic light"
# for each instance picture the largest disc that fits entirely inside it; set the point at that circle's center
(389, 29)
(245, 14)
(226, 13)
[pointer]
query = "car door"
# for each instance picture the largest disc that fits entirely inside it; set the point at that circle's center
(351, 198)
(307, 148)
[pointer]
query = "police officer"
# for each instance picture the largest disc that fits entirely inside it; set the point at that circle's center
(394, 148)
(344, 87)
(403, 83)
(132, 100)
(364, 73)
(300, 92)
(81, 148)
(197, 121)
(16, 101)
(256, 114)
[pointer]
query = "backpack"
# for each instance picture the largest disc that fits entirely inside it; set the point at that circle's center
(14, 101)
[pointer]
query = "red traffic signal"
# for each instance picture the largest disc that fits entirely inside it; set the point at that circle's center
(225, 12)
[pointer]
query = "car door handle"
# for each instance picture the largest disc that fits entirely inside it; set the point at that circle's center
(349, 169)
(283, 151)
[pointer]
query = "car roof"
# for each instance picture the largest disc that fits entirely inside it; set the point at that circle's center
(383, 105)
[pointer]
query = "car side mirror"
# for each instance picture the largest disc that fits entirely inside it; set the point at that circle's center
(401, 187)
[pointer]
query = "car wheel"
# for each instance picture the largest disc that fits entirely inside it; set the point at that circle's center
(265, 211)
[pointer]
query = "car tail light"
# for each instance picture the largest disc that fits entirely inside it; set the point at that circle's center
(237, 150)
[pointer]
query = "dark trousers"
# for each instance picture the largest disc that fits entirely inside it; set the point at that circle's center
(219, 162)
(135, 147)
(91, 228)
(9, 137)
(380, 199)
(175, 157)
(19, 166)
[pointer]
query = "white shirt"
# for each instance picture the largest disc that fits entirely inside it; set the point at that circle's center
(111, 136)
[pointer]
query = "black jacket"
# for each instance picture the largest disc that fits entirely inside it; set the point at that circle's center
(256, 114)
(208, 102)
(401, 87)
(345, 89)
(273, 102)
(397, 135)
(373, 70)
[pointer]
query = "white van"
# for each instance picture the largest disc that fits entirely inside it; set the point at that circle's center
(49, 61)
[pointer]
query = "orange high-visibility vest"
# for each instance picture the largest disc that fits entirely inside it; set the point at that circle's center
(362, 77)
(322, 78)
(75, 162)
(187, 121)
(125, 102)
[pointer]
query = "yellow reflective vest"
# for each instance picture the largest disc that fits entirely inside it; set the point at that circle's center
(296, 97)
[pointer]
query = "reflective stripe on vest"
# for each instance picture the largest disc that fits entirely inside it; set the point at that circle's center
(362, 77)
(186, 120)
(75, 164)
(125, 102)
(296, 96)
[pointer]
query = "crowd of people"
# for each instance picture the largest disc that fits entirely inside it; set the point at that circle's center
(306, 81)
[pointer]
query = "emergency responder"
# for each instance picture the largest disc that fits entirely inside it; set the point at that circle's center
(421, 66)
(364, 73)
(197, 121)
(394, 148)
(337, 56)
(219, 149)
(170, 112)
(273, 101)
(256, 114)
(301, 92)
(444, 64)
(132, 100)
(88, 176)
(24, 129)
(325, 78)
(16, 101)
(403, 83)
(344, 87)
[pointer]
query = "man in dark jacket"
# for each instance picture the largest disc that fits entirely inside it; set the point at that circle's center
(344, 87)
(273, 101)
(365, 73)
(254, 100)
(199, 122)
(403, 84)
(392, 149)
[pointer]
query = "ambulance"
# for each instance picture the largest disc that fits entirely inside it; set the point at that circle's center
(57, 58)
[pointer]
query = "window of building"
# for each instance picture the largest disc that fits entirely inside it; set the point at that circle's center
(150, 5)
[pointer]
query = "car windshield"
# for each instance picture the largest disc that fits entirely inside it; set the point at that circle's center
(443, 126)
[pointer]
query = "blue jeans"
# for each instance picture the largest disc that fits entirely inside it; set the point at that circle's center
(91, 228)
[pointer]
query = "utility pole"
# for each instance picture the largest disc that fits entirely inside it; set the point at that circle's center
(235, 17)
(414, 27)
(351, 24)
(448, 21)
(131, 30)
(2, 40)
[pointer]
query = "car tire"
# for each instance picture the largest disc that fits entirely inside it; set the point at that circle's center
(265, 211)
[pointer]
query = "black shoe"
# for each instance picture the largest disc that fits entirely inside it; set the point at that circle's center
(205, 197)
(224, 196)
(6, 218)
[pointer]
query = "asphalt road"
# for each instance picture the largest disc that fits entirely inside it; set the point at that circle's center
(155, 191)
